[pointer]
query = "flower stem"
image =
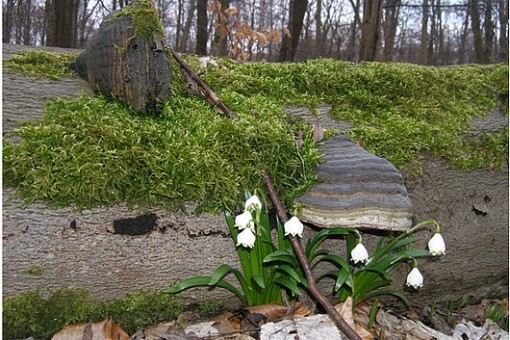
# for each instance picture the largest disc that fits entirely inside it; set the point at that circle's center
(298, 249)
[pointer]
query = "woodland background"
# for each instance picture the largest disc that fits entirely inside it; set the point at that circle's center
(428, 32)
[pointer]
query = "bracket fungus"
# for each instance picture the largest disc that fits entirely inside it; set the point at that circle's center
(356, 190)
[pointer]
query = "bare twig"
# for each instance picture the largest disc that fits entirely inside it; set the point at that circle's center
(298, 249)
(205, 91)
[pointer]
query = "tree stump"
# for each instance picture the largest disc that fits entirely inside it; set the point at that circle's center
(124, 65)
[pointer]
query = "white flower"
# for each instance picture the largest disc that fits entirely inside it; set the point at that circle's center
(293, 227)
(252, 203)
(205, 61)
(437, 245)
(359, 254)
(246, 238)
(414, 278)
(244, 220)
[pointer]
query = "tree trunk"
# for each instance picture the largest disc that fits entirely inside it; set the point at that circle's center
(370, 29)
(8, 14)
(477, 31)
(297, 10)
(201, 37)
(489, 32)
(424, 33)
(351, 45)
(62, 19)
(183, 47)
(503, 27)
(390, 28)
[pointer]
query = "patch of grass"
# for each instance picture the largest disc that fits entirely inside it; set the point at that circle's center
(41, 64)
(31, 314)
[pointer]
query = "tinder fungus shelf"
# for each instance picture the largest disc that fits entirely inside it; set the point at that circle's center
(124, 65)
(356, 189)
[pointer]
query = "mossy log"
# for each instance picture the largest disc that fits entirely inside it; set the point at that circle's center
(121, 65)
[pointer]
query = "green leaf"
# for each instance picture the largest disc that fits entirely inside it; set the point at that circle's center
(285, 256)
(393, 292)
(219, 273)
(342, 277)
(203, 281)
(292, 273)
(289, 284)
(259, 280)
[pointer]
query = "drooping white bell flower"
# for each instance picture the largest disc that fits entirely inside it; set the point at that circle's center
(414, 278)
(359, 253)
(244, 220)
(252, 203)
(293, 227)
(246, 238)
(437, 245)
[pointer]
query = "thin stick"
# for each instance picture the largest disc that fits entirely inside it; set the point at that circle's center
(298, 249)
(206, 92)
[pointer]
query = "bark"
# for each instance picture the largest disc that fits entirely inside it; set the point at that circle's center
(390, 28)
(424, 33)
(183, 47)
(351, 45)
(370, 29)
(477, 31)
(8, 14)
(503, 30)
(297, 10)
(201, 36)
(61, 29)
(489, 32)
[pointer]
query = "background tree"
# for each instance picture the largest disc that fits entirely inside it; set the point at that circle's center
(202, 32)
(290, 42)
(370, 29)
(62, 23)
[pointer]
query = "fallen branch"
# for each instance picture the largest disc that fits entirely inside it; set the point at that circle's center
(205, 91)
(298, 249)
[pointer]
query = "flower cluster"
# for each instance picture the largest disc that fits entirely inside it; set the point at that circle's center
(245, 223)
(436, 247)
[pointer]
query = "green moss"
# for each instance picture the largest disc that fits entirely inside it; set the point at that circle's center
(145, 18)
(87, 152)
(31, 314)
(33, 271)
(41, 64)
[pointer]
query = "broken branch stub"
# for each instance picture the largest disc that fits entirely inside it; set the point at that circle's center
(121, 65)
(356, 190)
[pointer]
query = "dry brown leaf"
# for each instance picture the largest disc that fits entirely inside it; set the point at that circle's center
(271, 311)
(227, 323)
(104, 330)
(317, 132)
(299, 310)
(345, 310)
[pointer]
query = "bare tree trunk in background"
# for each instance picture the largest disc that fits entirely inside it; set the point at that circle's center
(62, 23)
(84, 24)
(27, 22)
(370, 29)
(319, 45)
(180, 9)
(7, 14)
(351, 45)
(489, 32)
(201, 37)
(463, 38)
(503, 26)
(297, 10)
(440, 34)
(477, 31)
(390, 24)
(424, 33)
(183, 46)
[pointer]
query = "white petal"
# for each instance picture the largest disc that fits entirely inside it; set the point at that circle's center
(244, 220)
(252, 203)
(293, 227)
(246, 238)
(437, 245)
(359, 253)
(415, 279)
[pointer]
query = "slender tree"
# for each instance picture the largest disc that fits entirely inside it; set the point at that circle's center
(202, 35)
(290, 42)
(62, 21)
(370, 29)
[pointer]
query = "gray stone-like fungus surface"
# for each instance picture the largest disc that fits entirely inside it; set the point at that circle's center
(356, 189)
